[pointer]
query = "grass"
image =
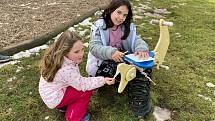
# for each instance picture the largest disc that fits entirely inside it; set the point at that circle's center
(191, 58)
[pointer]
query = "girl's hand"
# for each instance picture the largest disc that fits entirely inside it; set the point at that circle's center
(109, 81)
(117, 56)
(142, 54)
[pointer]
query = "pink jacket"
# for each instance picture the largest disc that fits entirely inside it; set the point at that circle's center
(68, 75)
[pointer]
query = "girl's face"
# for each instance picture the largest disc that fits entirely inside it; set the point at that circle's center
(76, 53)
(119, 15)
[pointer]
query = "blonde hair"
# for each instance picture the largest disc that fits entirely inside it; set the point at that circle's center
(53, 56)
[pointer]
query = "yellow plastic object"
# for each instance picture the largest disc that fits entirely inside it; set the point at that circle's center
(127, 72)
(162, 45)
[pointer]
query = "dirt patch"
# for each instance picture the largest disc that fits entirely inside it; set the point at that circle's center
(25, 19)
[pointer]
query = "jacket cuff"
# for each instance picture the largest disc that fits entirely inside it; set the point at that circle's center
(111, 53)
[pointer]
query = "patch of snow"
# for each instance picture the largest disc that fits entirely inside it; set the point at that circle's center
(140, 10)
(71, 29)
(146, 7)
(162, 11)
(86, 22)
(22, 54)
(47, 117)
(178, 35)
(80, 28)
(11, 62)
(209, 84)
(37, 49)
(138, 17)
(87, 37)
(205, 98)
(82, 33)
(135, 7)
(86, 44)
(155, 15)
(28, 53)
(19, 69)
(148, 2)
(135, 12)
(11, 79)
(75, 25)
(161, 114)
(98, 13)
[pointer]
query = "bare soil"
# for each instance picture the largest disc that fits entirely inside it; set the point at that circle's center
(22, 20)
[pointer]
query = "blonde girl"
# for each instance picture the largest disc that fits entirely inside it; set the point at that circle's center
(61, 84)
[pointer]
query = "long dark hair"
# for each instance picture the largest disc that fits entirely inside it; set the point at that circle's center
(53, 57)
(106, 15)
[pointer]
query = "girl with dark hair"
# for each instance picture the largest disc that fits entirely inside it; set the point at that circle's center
(111, 37)
(61, 84)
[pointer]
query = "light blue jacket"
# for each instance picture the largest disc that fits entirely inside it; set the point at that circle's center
(99, 48)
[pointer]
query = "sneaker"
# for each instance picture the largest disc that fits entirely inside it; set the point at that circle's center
(62, 109)
(4, 59)
(86, 117)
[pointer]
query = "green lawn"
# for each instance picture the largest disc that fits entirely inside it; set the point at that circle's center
(191, 58)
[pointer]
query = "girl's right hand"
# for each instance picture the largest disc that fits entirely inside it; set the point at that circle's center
(117, 56)
(109, 81)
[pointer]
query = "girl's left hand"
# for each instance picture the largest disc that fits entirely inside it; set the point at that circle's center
(117, 56)
(142, 54)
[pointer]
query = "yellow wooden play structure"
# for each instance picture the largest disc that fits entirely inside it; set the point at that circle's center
(128, 72)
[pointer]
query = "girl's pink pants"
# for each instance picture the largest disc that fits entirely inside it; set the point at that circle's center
(76, 102)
